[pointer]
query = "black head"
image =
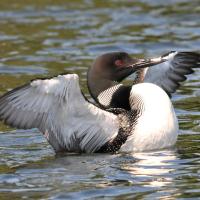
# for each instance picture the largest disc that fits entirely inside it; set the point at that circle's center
(113, 66)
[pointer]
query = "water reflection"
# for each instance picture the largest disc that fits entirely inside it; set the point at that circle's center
(153, 164)
(32, 166)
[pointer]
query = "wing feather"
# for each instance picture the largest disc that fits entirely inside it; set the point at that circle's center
(58, 109)
(169, 74)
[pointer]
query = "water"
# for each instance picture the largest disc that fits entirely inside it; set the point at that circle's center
(45, 38)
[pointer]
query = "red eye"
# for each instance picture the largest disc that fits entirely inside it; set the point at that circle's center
(119, 63)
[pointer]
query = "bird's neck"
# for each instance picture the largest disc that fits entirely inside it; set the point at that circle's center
(109, 94)
(140, 75)
(97, 85)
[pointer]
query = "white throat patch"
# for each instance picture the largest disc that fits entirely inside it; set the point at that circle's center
(105, 97)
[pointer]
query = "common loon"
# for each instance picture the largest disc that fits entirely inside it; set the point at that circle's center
(105, 75)
(58, 108)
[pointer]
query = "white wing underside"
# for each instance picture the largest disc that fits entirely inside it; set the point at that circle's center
(168, 74)
(58, 109)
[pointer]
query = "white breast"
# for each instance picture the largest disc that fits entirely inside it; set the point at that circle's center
(157, 127)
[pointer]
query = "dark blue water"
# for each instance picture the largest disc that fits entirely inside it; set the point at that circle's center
(45, 38)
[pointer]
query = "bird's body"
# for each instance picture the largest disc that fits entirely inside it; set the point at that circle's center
(70, 123)
(157, 125)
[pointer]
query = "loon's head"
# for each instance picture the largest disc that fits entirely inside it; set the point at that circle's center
(113, 66)
(110, 68)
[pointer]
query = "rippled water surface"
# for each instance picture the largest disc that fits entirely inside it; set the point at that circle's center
(45, 38)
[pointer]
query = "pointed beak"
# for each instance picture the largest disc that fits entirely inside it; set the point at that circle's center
(143, 63)
(136, 64)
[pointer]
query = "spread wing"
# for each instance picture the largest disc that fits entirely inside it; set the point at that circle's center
(58, 109)
(169, 74)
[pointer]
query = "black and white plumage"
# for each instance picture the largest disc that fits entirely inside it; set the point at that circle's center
(70, 123)
(140, 117)
(166, 71)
